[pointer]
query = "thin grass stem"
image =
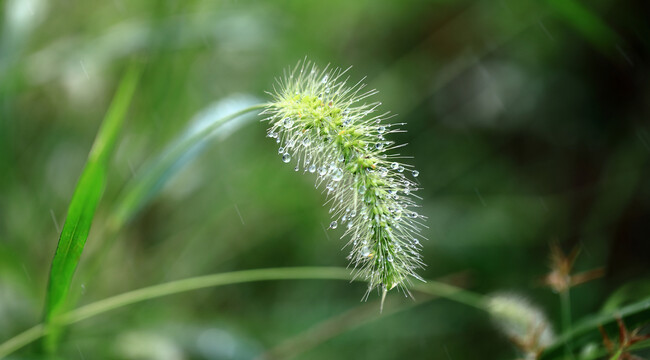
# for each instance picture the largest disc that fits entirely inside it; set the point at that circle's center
(237, 277)
(565, 304)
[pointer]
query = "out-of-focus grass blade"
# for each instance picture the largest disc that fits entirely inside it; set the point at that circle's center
(632, 313)
(218, 120)
(82, 207)
(592, 27)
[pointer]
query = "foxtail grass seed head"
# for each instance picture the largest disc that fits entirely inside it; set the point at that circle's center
(521, 322)
(324, 126)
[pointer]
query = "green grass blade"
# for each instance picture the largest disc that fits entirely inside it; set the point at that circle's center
(82, 207)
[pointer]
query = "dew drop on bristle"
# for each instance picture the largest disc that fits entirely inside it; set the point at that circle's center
(286, 158)
(337, 175)
(333, 225)
(312, 168)
(365, 252)
(416, 173)
(394, 166)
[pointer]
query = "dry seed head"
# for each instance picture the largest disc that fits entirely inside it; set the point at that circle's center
(323, 126)
(523, 323)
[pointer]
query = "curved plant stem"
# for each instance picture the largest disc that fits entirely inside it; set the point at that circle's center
(237, 277)
(141, 190)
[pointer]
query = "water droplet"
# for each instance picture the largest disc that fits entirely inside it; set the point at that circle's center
(416, 173)
(383, 171)
(333, 225)
(389, 258)
(324, 79)
(362, 189)
(381, 129)
(312, 168)
(280, 150)
(273, 135)
(365, 252)
(287, 123)
(306, 141)
(401, 169)
(337, 174)
(344, 218)
(394, 166)
(349, 224)
(291, 143)
(379, 146)
(322, 171)
(341, 158)
(297, 168)
(286, 157)
(308, 159)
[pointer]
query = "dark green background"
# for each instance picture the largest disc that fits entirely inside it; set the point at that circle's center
(528, 121)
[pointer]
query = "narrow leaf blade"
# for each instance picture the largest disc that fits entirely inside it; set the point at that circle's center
(83, 204)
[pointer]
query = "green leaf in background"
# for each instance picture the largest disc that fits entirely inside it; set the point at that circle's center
(218, 120)
(82, 207)
(588, 24)
(215, 122)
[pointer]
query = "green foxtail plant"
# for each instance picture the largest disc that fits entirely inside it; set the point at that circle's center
(323, 126)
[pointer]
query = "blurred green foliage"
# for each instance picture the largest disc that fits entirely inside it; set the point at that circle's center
(528, 121)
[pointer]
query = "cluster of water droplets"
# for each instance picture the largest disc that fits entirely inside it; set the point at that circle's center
(322, 128)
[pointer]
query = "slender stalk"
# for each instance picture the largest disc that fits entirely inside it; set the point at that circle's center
(139, 192)
(237, 277)
(565, 304)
